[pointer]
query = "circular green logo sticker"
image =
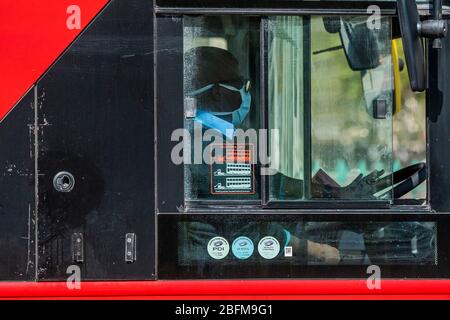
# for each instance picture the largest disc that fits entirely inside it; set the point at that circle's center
(242, 248)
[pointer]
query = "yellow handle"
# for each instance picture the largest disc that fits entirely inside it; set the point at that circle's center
(397, 82)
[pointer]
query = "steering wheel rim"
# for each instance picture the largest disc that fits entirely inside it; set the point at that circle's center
(403, 180)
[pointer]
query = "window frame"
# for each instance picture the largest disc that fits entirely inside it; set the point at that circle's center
(264, 203)
(171, 207)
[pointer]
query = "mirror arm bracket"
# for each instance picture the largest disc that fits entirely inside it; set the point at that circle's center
(413, 30)
(435, 28)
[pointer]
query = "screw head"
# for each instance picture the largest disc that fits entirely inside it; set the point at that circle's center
(63, 181)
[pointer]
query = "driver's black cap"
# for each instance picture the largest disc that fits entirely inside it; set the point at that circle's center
(210, 65)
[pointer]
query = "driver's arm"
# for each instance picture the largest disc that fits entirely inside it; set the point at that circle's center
(323, 252)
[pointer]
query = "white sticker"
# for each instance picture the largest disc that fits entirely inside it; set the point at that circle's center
(288, 251)
(218, 248)
(268, 247)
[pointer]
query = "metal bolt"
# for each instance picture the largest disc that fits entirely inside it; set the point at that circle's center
(64, 181)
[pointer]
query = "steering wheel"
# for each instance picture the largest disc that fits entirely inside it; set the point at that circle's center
(404, 180)
(399, 183)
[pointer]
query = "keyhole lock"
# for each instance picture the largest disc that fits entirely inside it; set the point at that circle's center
(63, 181)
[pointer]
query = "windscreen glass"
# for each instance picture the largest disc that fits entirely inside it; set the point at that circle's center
(330, 107)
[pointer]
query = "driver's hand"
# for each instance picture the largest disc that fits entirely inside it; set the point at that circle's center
(324, 253)
(362, 186)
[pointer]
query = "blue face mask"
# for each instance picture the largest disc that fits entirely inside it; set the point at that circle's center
(213, 120)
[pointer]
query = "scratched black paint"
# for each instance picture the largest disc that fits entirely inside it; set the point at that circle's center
(17, 192)
(96, 116)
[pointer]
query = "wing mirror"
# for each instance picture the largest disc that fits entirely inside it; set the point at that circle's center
(361, 44)
(413, 30)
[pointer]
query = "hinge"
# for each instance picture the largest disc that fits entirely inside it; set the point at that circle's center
(77, 248)
(130, 247)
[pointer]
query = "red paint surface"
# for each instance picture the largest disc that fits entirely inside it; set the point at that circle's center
(33, 33)
(233, 289)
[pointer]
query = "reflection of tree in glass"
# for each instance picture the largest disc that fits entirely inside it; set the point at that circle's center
(345, 137)
(409, 145)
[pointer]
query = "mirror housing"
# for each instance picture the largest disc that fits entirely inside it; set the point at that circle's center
(412, 44)
(360, 44)
(412, 30)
